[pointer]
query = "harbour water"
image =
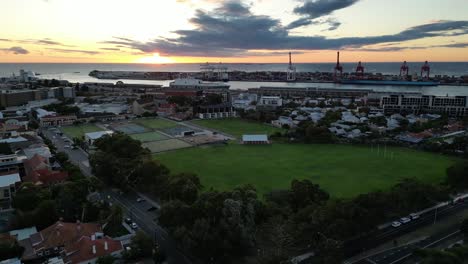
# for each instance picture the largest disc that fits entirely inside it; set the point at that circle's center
(79, 73)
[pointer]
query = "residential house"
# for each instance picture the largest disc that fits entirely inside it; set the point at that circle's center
(270, 101)
(89, 249)
(38, 171)
(143, 105)
(57, 238)
(282, 121)
(8, 184)
(90, 138)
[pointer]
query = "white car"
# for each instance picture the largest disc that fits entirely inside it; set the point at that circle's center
(413, 216)
(134, 226)
(405, 220)
(396, 224)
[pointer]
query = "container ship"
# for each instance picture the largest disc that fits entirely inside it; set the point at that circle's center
(389, 82)
(405, 79)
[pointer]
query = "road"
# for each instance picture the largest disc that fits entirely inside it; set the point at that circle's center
(388, 234)
(402, 253)
(137, 211)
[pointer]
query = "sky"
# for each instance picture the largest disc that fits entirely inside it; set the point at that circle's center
(244, 31)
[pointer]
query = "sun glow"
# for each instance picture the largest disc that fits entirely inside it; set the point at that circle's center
(156, 59)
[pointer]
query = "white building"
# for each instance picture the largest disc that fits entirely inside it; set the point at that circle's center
(192, 83)
(244, 101)
(93, 136)
(8, 189)
(270, 101)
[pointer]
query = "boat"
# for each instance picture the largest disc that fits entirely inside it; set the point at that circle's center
(390, 82)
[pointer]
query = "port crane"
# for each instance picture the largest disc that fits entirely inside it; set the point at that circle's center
(291, 73)
(404, 69)
(425, 70)
(338, 67)
(359, 70)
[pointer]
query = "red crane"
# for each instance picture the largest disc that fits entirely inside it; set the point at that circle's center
(425, 70)
(359, 70)
(338, 67)
(404, 69)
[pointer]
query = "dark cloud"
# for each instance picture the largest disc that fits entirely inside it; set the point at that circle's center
(232, 30)
(16, 50)
(88, 52)
(319, 8)
(399, 48)
(44, 41)
(111, 49)
(5, 40)
(310, 10)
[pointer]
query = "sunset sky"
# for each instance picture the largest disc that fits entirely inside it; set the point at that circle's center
(167, 31)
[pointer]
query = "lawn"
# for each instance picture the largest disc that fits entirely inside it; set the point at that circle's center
(80, 130)
(148, 137)
(156, 123)
(237, 127)
(342, 170)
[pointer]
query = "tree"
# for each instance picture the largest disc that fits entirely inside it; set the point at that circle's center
(213, 99)
(304, 193)
(151, 176)
(314, 134)
(9, 248)
(174, 214)
(141, 246)
(464, 228)
(457, 175)
(61, 157)
(379, 120)
(109, 259)
(183, 186)
(116, 158)
(114, 220)
(29, 196)
(180, 100)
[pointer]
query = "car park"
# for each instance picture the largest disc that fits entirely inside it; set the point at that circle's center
(405, 220)
(396, 224)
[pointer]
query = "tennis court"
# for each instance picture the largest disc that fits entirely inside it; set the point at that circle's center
(149, 136)
(156, 123)
(165, 145)
(130, 128)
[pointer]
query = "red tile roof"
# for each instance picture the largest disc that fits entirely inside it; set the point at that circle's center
(87, 249)
(65, 234)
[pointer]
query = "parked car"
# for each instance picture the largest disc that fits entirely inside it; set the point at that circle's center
(128, 220)
(134, 226)
(396, 224)
(405, 220)
(152, 208)
(139, 200)
(413, 216)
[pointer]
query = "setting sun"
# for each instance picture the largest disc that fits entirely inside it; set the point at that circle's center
(156, 58)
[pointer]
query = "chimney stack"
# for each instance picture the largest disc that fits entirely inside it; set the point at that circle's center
(106, 247)
(94, 249)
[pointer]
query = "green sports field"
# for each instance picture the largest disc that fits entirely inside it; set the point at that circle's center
(165, 145)
(155, 123)
(342, 170)
(80, 130)
(148, 137)
(237, 127)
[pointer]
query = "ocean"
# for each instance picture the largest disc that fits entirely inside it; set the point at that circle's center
(78, 72)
